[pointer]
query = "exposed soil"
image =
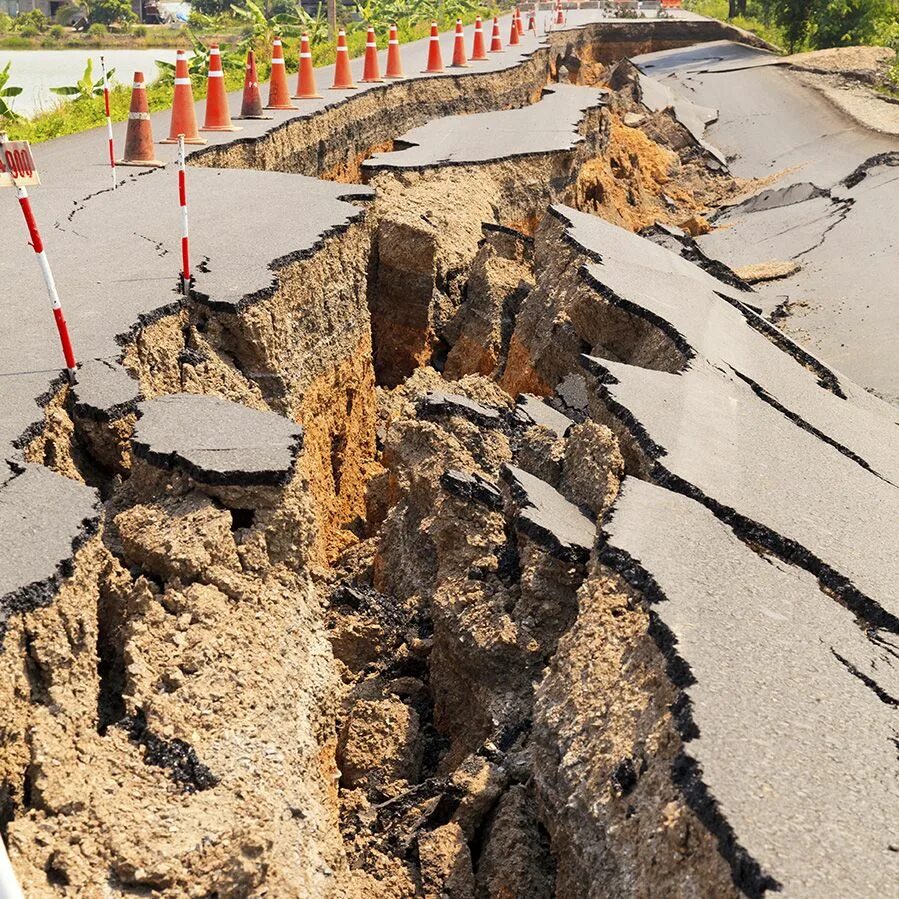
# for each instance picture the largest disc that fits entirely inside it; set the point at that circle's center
(398, 674)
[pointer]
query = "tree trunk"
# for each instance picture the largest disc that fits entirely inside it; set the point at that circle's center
(332, 20)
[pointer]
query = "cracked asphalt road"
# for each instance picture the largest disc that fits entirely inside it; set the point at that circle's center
(845, 296)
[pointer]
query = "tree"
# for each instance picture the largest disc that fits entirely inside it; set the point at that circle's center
(736, 8)
(794, 17)
(108, 12)
(840, 23)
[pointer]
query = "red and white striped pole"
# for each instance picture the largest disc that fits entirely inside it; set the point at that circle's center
(9, 886)
(38, 246)
(108, 120)
(182, 198)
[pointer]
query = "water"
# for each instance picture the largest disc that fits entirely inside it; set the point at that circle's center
(36, 71)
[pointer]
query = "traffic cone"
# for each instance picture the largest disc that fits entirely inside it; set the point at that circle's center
(435, 58)
(306, 89)
(394, 63)
(560, 16)
(460, 60)
(518, 23)
(371, 72)
(496, 43)
(343, 76)
(278, 89)
(218, 118)
(532, 21)
(478, 51)
(184, 115)
(513, 34)
(139, 136)
(251, 107)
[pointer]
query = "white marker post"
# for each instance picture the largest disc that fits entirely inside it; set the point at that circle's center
(9, 886)
(17, 170)
(108, 119)
(182, 197)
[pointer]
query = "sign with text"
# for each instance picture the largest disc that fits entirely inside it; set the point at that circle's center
(17, 165)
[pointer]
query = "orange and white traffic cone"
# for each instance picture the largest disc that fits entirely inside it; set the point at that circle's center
(371, 71)
(251, 105)
(435, 58)
(518, 23)
(513, 34)
(478, 49)
(139, 136)
(343, 75)
(460, 60)
(278, 89)
(532, 21)
(184, 114)
(218, 118)
(560, 15)
(306, 89)
(496, 43)
(394, 63)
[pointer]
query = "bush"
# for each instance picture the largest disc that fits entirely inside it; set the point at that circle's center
(57, 32)
(28, 30)
(35, 21)
(6, 24)
(98, 29)
(140, 31)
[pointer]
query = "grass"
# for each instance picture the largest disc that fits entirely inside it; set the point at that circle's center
(157, 37)
(718, 9)
(73, 116)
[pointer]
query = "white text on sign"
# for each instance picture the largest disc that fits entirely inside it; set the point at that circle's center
(17, 165)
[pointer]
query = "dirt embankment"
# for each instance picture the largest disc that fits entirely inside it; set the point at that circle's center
(400, 670)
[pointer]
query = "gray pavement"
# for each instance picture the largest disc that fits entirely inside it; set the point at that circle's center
(845, 297)
(794, 750)
(216, 441)
(551, 125)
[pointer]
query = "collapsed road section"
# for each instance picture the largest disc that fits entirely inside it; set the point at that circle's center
(467, 530)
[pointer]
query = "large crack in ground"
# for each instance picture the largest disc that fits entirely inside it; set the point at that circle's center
(383, 652)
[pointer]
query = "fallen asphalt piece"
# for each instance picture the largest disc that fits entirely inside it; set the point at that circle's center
(550, 125)
(217, 442)
(789, 754)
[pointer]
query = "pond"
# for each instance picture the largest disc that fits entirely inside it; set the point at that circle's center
(36, 71)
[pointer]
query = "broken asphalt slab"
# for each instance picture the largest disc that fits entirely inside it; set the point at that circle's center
(135, 225)
(548, 518)
(44, 519)
(217, 442)
(708, 435)
(707, 319)
(789, 756)
(550, 125)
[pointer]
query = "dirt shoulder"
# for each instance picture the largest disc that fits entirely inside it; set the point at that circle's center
(848, 77)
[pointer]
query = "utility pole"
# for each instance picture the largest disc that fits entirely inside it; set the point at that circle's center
(332, 20)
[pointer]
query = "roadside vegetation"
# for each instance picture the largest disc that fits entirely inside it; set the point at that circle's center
(236, 29)
(797, 25)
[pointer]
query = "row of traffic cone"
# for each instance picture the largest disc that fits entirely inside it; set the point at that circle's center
(139, 136)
